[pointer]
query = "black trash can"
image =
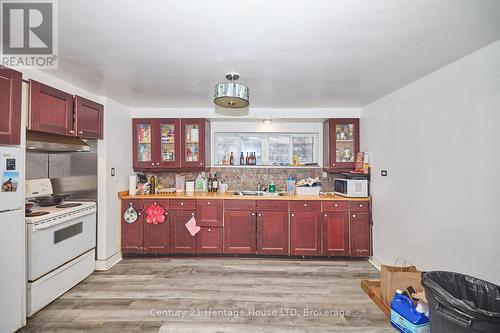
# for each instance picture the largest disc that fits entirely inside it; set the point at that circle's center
(459, 303)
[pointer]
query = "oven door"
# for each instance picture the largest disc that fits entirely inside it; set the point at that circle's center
(51, 245)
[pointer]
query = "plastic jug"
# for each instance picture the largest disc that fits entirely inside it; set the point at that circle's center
(407, 318)
(290, 185)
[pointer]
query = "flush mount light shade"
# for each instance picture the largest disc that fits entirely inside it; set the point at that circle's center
(231, 94)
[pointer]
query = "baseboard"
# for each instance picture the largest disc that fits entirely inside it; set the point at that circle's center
(104, 265)
(376, 262)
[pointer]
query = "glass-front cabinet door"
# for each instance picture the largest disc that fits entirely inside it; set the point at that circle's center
(344, 144)
(143, 152)
(169, 142)
(193, 143)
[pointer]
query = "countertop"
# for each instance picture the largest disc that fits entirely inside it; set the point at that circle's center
(229, 196)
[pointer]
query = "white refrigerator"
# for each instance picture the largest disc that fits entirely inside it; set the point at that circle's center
(12, 240)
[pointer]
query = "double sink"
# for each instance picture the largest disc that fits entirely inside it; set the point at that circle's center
(259, 193)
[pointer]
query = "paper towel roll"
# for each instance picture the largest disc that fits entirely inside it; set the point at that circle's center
(132, 185)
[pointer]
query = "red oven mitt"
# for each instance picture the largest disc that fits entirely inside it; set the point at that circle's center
(155, 214)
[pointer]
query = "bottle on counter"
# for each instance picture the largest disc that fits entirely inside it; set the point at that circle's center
(215, 184)
(210, 183)
(242, 159)
(152, 185)
(290, 185)
(247, 160)
(231, 159)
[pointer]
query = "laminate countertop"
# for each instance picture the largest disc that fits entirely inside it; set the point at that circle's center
(229, 196)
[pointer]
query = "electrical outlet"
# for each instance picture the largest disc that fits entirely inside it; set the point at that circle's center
(113, 172)
(383, 173)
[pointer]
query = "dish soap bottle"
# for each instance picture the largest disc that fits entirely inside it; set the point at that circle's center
(272, 187)
(290, 185)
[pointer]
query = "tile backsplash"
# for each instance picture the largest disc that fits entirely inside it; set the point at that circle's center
(248, 178)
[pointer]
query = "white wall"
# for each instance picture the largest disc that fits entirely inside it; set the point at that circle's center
(439, 139)
(113, 151)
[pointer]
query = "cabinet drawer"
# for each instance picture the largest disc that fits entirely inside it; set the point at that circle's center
(239, 204)
(305, 206)
(217, 203)
(163, 203)
(137, 204)
(272, 206)
(188, 204)
(335, 206)
(359, 206)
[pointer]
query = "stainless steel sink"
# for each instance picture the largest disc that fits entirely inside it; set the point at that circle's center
(258, 193)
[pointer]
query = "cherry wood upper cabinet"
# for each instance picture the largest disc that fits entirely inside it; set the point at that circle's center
(335, 233)
(51, 110)
(144, 145)
(88, 118)
(340, 144)
(195, 143)
(10, 106)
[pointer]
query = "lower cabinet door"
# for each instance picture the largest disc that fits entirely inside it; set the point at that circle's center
(360, 234)
(209, 240)
(272, 233)
(239, 232)
(305, 233)
(157, 237)
(335, 234)
(132, 240)
(181, 240)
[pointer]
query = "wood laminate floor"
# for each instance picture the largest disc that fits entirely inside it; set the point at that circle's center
(172, 295)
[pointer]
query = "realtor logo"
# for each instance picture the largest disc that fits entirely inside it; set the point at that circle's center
(29, 34)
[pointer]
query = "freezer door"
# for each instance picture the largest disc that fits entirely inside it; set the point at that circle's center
(12, 276)
(11, 178)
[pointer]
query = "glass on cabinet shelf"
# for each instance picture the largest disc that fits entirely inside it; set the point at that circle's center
(144, 142)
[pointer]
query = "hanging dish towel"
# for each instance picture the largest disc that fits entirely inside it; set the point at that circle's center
(192, 227)
(155, 214)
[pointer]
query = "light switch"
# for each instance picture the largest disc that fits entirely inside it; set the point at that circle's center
(383, 173)
(113, 172)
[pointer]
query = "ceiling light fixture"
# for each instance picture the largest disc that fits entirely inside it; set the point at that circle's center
(231, 94)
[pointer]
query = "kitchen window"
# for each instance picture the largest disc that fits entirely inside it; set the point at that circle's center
(270, 148)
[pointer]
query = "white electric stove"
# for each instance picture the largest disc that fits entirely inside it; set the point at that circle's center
(61, 242)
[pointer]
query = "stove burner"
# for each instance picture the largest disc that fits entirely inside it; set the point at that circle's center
(33, 214)
(68, 205)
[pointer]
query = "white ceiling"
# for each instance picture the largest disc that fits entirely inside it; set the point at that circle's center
(292, 54)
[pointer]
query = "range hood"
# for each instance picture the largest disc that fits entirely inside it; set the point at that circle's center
(45, 142)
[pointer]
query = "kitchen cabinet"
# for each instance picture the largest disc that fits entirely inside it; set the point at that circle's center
(89, 117)
(272, 232)
(170, 144)
(195, 143)
(335, 233)
(10, 106)
(209, 213)
(305, 233)
(156, 236)
(132, 234)
(209, 240)
(51, 110)
(239, 231)
(340, 144)
(181, 240)
(360, 230)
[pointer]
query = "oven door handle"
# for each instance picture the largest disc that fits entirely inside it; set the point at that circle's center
(47, 225)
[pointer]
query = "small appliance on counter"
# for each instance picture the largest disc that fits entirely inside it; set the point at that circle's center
(351, 188)
(61, 241)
